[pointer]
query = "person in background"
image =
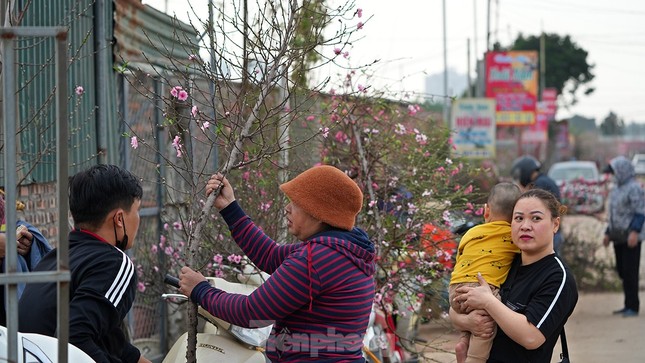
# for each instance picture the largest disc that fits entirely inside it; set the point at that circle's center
(104, 201)
(321, 290)
(625, 223)
(526, 172)
(538, 295)
(31, 247)
(487, 250)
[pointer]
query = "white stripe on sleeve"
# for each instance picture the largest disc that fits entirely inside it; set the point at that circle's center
(557, 295)
(121, 281)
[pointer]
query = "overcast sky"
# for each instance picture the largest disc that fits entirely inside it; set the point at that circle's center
(407, 36)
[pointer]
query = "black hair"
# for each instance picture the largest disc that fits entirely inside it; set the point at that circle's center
(550, 201)
(98, 190)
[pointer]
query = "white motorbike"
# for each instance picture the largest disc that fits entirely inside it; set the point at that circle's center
(221, 341)
(37, 348)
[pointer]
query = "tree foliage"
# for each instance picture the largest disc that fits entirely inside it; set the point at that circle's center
(566, 65)
(311, 22)
(612, 125)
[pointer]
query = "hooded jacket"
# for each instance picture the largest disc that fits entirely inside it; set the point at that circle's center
(102, 291)
(39, 247)
(319, 296)
(626, 200)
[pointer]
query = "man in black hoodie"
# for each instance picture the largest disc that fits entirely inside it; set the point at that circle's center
(104, 201)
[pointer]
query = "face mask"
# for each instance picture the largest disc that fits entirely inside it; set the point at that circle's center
(123, 244)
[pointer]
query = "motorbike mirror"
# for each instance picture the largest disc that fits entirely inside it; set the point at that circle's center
(174, 297)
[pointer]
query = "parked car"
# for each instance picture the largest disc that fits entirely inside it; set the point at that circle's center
(639, 164)
(583, 189)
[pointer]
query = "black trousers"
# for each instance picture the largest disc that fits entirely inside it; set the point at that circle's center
(628, 264)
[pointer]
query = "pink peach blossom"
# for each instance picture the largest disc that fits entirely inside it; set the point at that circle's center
(176, 143)
(175, 90)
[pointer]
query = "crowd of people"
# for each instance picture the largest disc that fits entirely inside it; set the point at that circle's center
(511, 301)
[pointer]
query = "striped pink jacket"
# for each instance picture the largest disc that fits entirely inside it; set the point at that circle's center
(319, 296)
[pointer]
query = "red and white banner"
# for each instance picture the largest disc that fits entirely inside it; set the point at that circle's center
(512, 80)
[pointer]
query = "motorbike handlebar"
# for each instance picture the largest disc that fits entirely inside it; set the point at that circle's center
(171, 280)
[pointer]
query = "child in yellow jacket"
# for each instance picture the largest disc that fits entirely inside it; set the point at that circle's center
(487, 249)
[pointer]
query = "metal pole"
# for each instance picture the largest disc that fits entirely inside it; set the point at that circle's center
(62, 192)
(100, 72)
(445, 67)
(470, 86)
(542, 65)
(163, 308)
(11, 260)
(475, 16)
(488, 27)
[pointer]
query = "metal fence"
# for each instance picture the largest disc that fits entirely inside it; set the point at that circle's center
(11, 119)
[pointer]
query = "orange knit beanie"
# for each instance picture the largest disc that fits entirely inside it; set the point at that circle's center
(327, 194)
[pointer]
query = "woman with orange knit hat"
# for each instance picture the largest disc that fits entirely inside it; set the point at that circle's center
(319, 296)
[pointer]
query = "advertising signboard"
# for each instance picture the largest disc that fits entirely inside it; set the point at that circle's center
(512, 80)
(549, 100)
(538, 132)
(473, 125)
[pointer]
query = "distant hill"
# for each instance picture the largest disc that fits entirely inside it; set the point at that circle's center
(457, 83)
(579, 125)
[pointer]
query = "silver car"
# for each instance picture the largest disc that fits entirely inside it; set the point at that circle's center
(639, 164)
(582, 188)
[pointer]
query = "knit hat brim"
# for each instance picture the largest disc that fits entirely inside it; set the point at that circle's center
(327, 194)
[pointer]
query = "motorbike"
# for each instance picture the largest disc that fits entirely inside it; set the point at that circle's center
(37, 348)
(393, 338)
(220, 340)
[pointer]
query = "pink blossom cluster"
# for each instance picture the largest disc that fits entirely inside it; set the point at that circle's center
(179, 93)
(176, 143)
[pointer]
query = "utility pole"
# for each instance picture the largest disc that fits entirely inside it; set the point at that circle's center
(445, 67)
(488, 27)
(470, 86)
(542, 65)
(475, 39)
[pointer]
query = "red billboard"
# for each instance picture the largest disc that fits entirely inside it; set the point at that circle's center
(512, 80)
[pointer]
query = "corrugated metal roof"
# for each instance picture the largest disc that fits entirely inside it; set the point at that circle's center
(145, 35)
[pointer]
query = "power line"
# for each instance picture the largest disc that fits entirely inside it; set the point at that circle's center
(570, 6)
